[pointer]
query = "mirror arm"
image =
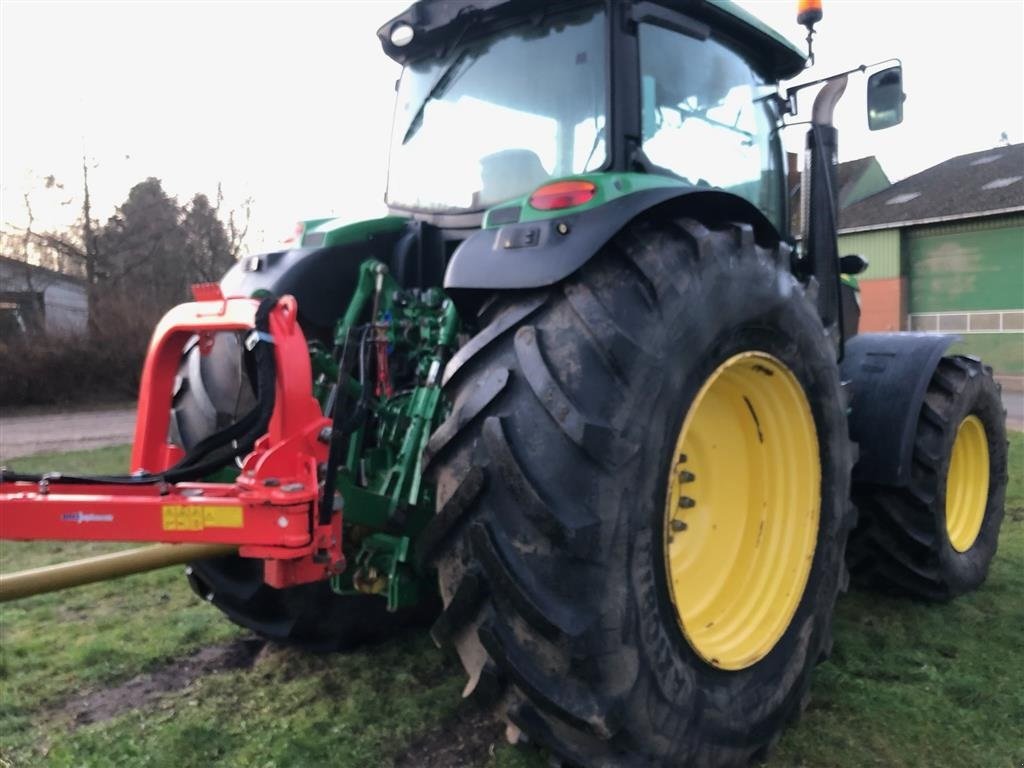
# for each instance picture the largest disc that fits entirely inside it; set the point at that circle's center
(795, 89)
(792, 91)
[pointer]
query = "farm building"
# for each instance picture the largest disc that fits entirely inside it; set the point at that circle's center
(946, 248)
(38, 300)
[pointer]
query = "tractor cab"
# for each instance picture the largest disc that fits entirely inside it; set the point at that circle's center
(499, 98)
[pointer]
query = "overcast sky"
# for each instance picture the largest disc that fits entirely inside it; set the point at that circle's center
(290, 103)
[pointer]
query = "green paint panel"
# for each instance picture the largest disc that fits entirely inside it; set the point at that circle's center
(608, 187)
(341, 231)
(880, 247)
(1003, 351)
(967, 271)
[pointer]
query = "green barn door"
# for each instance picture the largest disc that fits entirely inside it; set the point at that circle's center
(969, 279)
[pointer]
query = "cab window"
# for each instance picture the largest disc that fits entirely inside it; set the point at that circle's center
(709, 119)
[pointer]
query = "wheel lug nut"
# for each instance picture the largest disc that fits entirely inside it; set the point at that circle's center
(678, 525)
(686, 477)
(686, 502)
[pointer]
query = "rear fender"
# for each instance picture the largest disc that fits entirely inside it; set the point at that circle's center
(538, 253)
(888, 375)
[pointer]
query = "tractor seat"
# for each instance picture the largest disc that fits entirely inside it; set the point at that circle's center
(509, 173)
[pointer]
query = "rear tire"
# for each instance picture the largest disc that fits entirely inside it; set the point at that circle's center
(905, 543)
(211, 392)
(551, 476)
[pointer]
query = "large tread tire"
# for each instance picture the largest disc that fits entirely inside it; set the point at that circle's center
(310, 616)
(551, 483)
(211, 392)
(901, 544)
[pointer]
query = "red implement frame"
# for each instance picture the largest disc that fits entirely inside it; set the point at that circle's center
(270, 511)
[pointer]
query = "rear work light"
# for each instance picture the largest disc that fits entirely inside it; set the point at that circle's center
(562, 194)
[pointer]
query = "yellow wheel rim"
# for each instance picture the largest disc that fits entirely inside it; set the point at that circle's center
(967, 484)
(742, 510)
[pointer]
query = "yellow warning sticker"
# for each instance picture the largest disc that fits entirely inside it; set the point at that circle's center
(181, 517)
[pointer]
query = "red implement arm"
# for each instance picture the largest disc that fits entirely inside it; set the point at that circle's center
(270, 511)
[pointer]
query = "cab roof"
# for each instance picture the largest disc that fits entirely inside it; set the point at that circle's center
(438, 23)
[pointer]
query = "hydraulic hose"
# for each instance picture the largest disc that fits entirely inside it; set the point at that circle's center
(340, 430)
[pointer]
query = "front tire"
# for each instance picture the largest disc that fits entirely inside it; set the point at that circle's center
(553, 472)
(935, 539)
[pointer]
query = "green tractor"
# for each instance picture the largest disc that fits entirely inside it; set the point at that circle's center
(597, 413)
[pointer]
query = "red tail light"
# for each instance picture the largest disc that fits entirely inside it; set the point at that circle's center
(562, 194)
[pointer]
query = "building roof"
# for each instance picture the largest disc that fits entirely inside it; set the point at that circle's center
(17, 266)
(848, 175)
(850, 172)
(976, 184)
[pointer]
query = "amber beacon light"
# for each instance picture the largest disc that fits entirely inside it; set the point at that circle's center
(808, 12)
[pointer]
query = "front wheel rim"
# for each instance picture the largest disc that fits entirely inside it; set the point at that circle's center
(967, 484)
(743, 508)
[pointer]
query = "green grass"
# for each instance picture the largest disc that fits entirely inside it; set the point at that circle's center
(908, 685)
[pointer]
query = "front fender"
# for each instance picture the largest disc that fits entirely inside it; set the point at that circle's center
(542, 251)
(888, 374)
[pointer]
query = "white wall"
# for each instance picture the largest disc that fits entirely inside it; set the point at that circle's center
(65, 304)
(66, 307)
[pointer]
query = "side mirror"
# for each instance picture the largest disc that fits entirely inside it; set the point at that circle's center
(885, 98)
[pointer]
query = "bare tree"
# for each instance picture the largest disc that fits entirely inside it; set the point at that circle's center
(74, 251)
(27, 267)
(237, 223)
(144, 257)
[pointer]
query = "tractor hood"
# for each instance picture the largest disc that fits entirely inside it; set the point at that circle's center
(437, 24)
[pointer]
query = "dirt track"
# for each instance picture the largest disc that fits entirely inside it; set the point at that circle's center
(24, 434)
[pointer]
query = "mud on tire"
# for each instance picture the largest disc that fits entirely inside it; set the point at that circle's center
(551, 489)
